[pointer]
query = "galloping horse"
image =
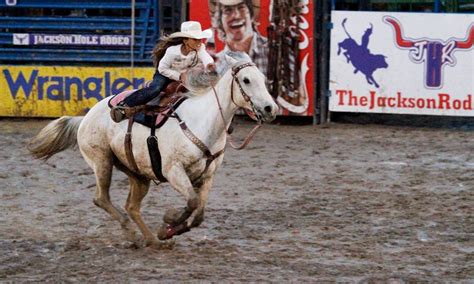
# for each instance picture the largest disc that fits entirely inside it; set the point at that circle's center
(184, 164)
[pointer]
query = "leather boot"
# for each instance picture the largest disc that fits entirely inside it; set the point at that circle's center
(117, 113)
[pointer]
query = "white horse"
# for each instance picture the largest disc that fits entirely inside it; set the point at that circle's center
(184, 165)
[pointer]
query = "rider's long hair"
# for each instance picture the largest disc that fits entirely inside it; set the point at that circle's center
(163, 44)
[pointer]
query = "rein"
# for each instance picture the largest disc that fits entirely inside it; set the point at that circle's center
(246, 97)
(190, 135)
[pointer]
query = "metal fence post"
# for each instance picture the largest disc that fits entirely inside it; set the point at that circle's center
(324, 61)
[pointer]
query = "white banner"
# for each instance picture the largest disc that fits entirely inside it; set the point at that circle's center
(407, 63)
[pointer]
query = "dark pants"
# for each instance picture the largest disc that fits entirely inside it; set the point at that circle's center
(144, 95)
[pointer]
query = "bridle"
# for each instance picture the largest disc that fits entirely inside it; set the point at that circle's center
(246, 97)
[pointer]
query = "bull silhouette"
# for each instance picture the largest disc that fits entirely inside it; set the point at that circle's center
(359, 55)
(434, 52)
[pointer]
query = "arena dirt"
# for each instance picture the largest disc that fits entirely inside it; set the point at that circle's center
(366, 203)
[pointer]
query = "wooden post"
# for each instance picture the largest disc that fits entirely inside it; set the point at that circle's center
(324, 62)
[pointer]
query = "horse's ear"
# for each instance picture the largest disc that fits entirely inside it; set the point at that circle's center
(230, 60)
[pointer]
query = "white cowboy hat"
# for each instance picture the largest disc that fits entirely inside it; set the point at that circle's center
(192, 29)
(255, 6)
(230, 2)
(255, 3)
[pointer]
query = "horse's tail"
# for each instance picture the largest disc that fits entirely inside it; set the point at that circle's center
(55, 137)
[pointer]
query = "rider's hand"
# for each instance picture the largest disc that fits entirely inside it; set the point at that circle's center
(211, 67)
(182, 77)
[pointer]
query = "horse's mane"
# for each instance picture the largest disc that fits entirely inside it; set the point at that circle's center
(199, 82)
(240, 56)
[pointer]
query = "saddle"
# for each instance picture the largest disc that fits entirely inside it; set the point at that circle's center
(160, 104)
(152, 115)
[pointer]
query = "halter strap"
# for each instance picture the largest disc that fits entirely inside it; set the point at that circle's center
(236, 70)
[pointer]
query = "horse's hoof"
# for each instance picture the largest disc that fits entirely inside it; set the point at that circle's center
(152, 243)
(168, 245)
(165, 232)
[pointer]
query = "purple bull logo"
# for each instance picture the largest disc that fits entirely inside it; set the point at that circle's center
(359, 55)
(434, 52)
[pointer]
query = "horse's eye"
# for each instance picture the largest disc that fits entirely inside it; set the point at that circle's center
(246, 81)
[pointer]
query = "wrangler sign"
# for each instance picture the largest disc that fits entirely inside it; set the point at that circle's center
(40, 91)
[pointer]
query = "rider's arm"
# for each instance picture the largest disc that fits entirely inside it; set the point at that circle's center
(165, 64)
(206, 59)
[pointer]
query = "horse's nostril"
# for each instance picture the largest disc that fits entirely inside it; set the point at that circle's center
(268, 109)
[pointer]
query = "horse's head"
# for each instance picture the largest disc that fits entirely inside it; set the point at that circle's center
(249, 91)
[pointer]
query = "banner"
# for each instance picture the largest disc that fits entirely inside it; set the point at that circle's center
(278, 37)
(405, 63)
(39, 91)
(72, 40)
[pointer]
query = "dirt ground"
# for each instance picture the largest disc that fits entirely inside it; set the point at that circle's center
(355, 203)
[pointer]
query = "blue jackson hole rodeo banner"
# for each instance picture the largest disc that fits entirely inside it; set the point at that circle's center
(402, 63)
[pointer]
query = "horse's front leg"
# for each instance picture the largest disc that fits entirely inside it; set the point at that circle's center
(197, 217)
(178, 222)
(175, 219)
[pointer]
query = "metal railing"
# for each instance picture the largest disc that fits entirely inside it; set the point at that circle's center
(76, 31)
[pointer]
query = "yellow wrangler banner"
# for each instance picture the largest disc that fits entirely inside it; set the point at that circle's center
(40, 91)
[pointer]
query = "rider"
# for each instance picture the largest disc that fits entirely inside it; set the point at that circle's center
(172, 56)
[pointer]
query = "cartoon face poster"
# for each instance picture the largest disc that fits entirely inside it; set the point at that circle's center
(278, 37)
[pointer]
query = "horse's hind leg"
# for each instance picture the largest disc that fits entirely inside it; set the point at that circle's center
(103, 174)
(138, 190)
